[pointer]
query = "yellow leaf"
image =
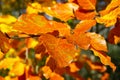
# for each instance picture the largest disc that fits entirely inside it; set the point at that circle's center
(7, 19)
(5, 28)
(33, 8)
(8, 62)
(110, 18)
(17, 69)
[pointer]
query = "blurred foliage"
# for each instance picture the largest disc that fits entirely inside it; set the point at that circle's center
(18, 7)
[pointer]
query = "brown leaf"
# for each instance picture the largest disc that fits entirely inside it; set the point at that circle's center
(4, 43)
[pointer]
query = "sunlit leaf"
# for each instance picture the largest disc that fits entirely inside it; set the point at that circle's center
(114, 32)
(62, 11)
(96, 66)
(62, 28)
(84, 26)
(59, 49)
(82, 14)
(97, 42)
(17, 69)
(87, 4)
(31, 43)
(46, 72)
(110, 18)
(73, 67)
(7, 19)
(113, 5)
(5, 28)
(1, 55)
(36, 24)
(32, 24)
(106, 60)
(56, 76)
(33, 8)
(8, 63)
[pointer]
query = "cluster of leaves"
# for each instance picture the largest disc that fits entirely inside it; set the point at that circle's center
(54, 40)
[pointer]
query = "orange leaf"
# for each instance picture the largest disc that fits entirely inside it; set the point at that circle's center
(97, 42)
(59, 49)
(56, 76)
(46, 71)
(116, 39)
(32, 24)
(61, 11)
(105, 76)
(106, 60)
(81, 40)
(113, 5)
(84, 26)
(110, 18)
(96, 66)
(33, 8)
(62, 28)
(87, 4)
(82, 14)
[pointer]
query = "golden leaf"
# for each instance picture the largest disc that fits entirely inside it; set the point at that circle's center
(87, 4)
(106, 60)
(61, 11)
(59, 49)
(7, 19)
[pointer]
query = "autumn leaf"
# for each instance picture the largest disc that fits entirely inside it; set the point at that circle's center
(110, 18)
(8, 62)
(82, 14)
(62, 28)
(114, 34)
(34, 8)
(87, 4)
(106, 60)
(110, 7)
(7, 19)
(96, 66)
(1, 55)
(32, 24)
(84, 26)
(17, 69)
(97, 41)
(59, 49)
(36, 24)
(4, 43)
(63, 12)
(56, 76)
